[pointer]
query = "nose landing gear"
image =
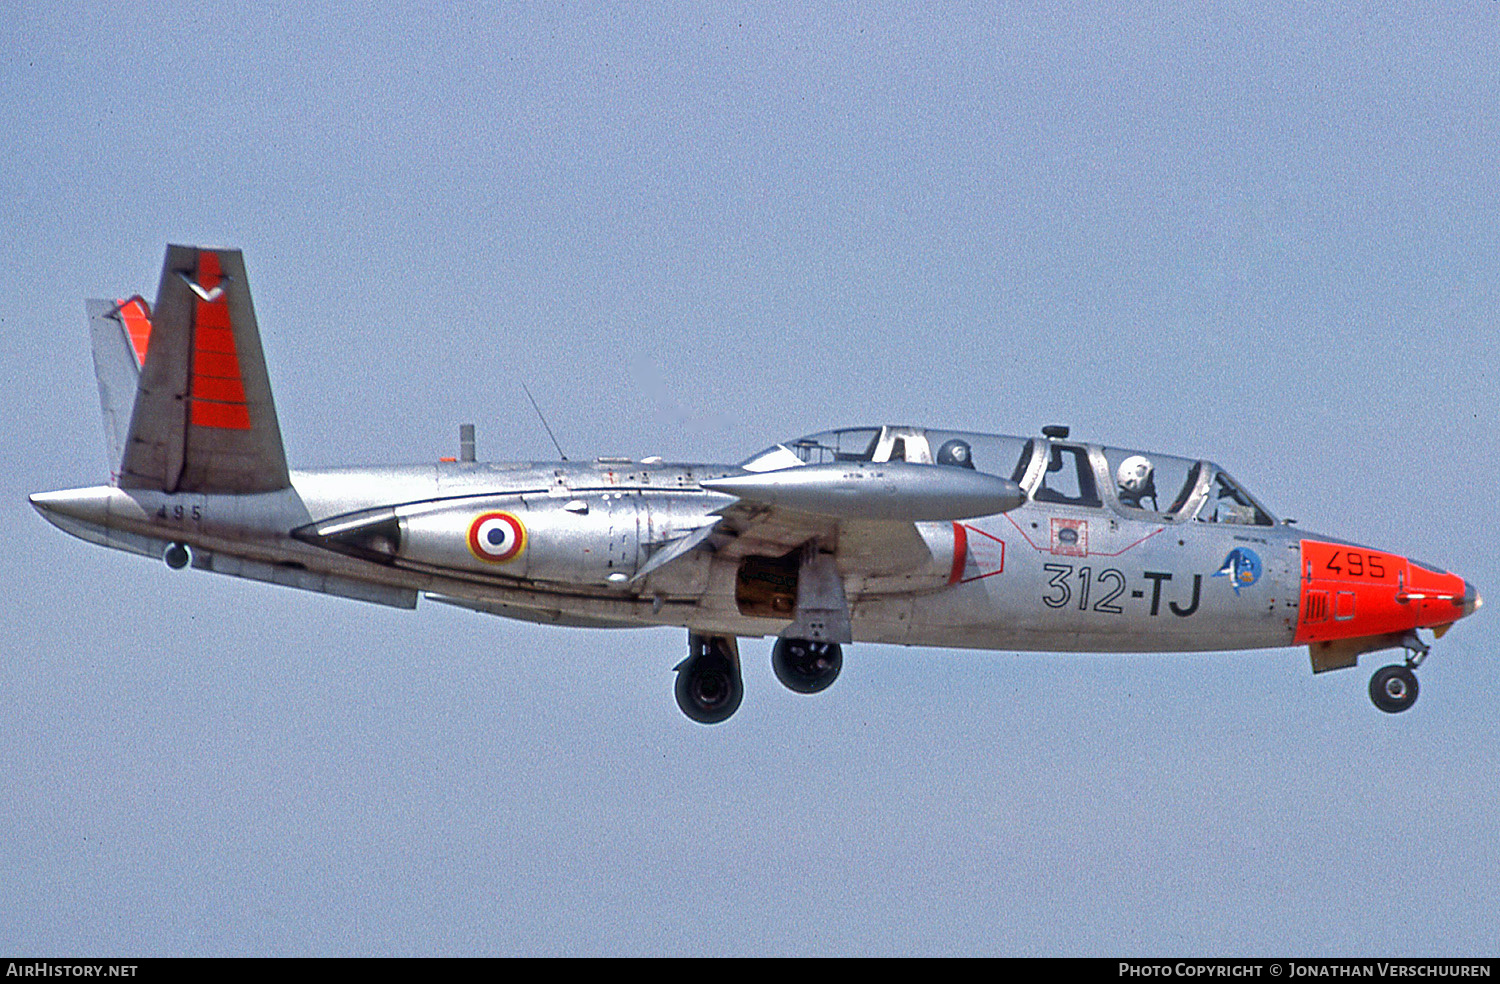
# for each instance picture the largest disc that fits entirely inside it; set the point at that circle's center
(1393, 688)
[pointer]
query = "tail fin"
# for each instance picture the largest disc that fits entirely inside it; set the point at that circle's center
(121, 331)
(203, 420)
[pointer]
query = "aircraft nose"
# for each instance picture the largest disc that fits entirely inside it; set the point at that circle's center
(1472, 600)
(1354, 592)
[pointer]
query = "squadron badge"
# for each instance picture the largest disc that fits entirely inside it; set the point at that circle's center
(1242, 567)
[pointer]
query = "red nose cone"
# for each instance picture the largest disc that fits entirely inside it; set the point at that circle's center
(1349, 592)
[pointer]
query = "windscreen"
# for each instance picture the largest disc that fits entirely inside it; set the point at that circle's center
(1229, 503)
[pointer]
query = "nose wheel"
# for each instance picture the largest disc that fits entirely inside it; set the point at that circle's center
(1393, 688)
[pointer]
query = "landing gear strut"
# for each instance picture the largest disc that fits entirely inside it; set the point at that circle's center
(709, 688)
(1393, 688)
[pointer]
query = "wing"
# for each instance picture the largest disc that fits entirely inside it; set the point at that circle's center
(872, 548)
(794, 564)
(864, 513)
(799, 533)
(203, 419)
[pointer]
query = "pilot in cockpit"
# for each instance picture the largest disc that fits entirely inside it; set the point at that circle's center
(1136, 482)
(955, 452)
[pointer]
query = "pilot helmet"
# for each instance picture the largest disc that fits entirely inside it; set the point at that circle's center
(1134, 474)
(955, 452)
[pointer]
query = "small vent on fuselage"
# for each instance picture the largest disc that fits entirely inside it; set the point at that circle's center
(1316, 607)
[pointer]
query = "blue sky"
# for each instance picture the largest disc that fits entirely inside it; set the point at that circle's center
(1264, 234)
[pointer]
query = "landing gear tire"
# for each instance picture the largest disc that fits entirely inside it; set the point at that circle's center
(177, 555)
(1393, 689)
(805, 665)
(709, 688)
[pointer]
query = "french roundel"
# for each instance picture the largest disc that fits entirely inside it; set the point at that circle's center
(497, 537)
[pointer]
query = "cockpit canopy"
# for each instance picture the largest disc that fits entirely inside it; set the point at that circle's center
(1139, 484)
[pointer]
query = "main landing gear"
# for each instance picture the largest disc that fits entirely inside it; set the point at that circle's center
(1394, 688)
(806, 666)
(709, 687)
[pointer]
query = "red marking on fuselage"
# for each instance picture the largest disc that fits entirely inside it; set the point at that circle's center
(960, 553)
(982, 553)
(217, 394)
(1350, 592)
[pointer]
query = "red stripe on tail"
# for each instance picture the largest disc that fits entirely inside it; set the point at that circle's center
(218, 391)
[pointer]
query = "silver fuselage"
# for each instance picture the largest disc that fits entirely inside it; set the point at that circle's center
(1132, 585)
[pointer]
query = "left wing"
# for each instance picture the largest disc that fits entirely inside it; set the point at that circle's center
(799, 531)
(872, 547)
(800, 561)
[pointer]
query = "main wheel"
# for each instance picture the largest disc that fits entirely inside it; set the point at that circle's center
(806, 666)
(709, 688)
(1393, 689)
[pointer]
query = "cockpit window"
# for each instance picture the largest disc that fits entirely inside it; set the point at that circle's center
(1154, 483)
(852, 444)
(1187, 487)
(994, 454)
(856, 444)
(773, 458)
(1069, 478)
(1228, 503)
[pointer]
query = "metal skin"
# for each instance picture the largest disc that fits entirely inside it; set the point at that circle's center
(868, 490)
(947, 555)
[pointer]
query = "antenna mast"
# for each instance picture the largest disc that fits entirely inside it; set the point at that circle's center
(543, 419)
